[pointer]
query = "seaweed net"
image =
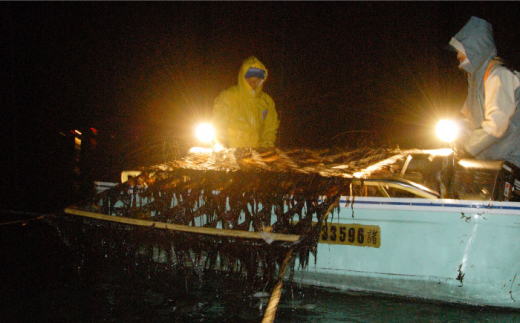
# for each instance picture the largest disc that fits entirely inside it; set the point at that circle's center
(253, 190)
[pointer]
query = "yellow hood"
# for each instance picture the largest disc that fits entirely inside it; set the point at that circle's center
(243, 86)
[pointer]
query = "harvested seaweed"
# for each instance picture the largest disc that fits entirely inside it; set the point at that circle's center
(258, 190)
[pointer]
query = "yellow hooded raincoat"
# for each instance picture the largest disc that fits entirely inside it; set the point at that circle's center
(245, 117)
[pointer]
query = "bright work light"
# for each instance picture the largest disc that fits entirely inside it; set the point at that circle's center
(447, 130)
(205, 133)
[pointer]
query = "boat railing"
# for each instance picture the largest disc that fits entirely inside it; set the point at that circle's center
(403, 185)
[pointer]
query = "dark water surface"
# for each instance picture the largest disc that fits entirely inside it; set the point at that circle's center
(40, 283)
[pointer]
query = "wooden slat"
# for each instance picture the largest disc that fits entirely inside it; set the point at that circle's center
(186, 228)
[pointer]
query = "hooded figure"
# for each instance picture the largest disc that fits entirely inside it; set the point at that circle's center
(243, 115)
(491, 107)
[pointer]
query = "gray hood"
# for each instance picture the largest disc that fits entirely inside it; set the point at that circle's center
(477, 39)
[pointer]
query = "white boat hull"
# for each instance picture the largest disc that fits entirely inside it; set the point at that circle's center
(446, 250)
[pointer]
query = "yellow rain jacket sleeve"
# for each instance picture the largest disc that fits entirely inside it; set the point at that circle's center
(245, 117)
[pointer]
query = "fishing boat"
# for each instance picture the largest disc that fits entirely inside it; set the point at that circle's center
(414, 223)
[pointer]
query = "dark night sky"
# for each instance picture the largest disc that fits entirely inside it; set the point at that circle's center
(153, 69)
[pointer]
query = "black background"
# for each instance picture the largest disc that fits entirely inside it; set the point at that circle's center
(341, 74)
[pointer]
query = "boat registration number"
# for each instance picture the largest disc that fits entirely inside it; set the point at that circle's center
(351, 234)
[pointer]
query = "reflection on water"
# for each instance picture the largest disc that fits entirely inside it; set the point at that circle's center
(41, 284)
(213, 299)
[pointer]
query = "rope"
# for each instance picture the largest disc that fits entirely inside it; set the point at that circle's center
(270, 311)
(23, 221)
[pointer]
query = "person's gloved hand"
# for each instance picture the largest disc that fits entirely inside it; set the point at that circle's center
(459, 151)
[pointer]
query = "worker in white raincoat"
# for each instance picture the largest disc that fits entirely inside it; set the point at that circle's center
(492, 105)
(244, 115)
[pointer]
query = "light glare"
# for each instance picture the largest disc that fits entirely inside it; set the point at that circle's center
(205, 132)
(447, 130)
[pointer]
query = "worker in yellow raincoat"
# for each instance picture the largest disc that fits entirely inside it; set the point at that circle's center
(243, 115)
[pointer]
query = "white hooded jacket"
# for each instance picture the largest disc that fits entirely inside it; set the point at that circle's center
(493, 95)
